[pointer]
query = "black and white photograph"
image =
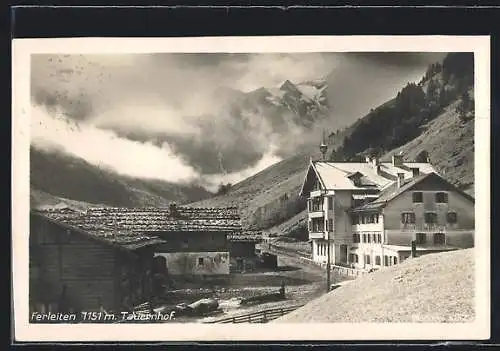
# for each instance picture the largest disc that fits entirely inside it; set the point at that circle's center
(301, 181)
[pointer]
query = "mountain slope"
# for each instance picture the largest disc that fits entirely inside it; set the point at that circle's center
(434, 288)
(449, 141)
(56, 177)
(264, 195)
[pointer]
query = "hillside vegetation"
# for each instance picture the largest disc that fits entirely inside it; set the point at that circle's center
(434, 117)
(435, 288)
(268, 197)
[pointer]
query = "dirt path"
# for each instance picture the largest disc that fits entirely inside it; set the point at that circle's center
(291, 269)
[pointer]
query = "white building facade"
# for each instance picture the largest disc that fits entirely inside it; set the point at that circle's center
(360, 210)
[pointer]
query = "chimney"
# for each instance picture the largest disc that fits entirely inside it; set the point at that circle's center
(415, 171)
(173, 210)
(397, 160)
(401, 178)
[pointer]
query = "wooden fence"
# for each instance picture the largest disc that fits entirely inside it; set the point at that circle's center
(258, 317)
(342, 271)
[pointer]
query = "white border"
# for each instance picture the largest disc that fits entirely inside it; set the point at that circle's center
(23, 48)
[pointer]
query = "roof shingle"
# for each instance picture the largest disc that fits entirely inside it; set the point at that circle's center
(135, 227)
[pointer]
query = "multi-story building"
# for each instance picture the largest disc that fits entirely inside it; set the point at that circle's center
(370, 212)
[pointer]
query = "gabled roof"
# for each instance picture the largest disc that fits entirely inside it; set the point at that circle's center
(115, 237)
(136, 227)
(393, 191)
(338, 175)
(247, 236)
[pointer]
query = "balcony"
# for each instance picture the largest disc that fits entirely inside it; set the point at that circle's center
(316, 235)
(316, 214)
(315, 193)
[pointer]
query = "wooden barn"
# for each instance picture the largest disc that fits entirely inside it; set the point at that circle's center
(116, 258)
(82, 263)
(195, 241)
(243, 251)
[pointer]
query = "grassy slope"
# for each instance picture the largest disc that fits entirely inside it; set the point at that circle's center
(42, 200)
(284, 177)
(450, 143)
(55, 177)
(431, 289)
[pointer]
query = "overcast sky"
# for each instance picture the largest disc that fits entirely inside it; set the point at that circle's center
(82, 102)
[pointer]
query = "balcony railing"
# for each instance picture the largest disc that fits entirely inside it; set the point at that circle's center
(316, 235)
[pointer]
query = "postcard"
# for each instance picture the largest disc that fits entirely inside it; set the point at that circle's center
(251, 188)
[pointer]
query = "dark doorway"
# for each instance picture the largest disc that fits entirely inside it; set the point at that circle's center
(160, 275)
(343, 253)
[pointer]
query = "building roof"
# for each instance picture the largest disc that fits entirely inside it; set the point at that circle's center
(341, 175)
(247, 236)
(117, 237)
(132, 228)
(392, 191)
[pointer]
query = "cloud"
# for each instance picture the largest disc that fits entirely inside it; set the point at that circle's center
(106, 149)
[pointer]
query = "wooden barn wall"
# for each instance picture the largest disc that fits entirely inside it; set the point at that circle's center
(242, 249)
(59, 257)
(134, 273)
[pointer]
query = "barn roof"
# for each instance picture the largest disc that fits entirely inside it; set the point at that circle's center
(133, 228)
(246, 236)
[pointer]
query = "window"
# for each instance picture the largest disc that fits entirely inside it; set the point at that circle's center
(418, 197)
(430, 217)
(355, 238)
(379, 237)
(386, 260)
(317, 249)
(200, 261)
(364, 238)
(316, 204)
(330, 225)
(367, 259)
(395, 260)
(318, 225)
(421, 238)
(441, 198)
(451, 217)
(377, 260)
(330, 203)
(368, 238)
(408, 217)
(439, 239)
